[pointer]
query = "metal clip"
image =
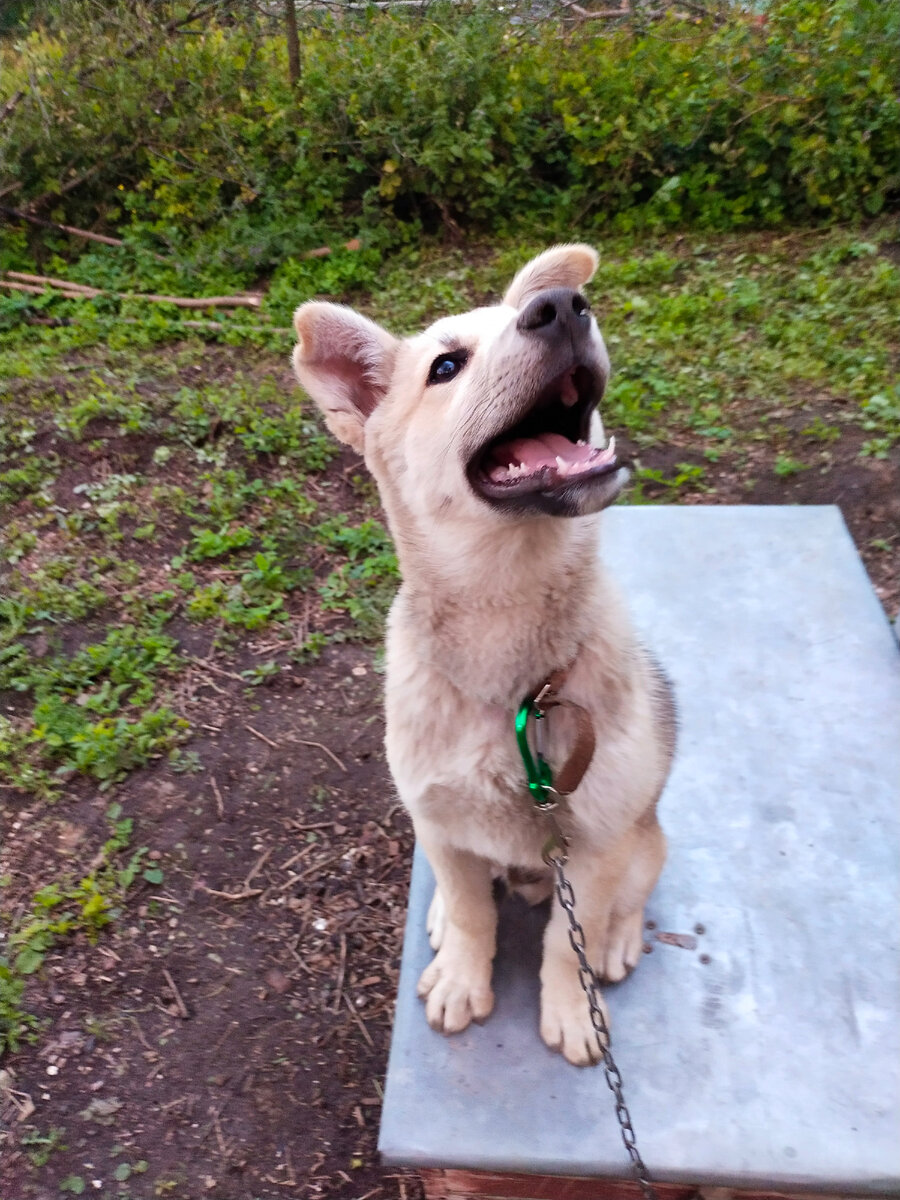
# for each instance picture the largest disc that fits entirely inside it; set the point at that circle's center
(556, 846)
(538, 773)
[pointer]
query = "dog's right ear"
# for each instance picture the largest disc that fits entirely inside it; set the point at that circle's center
(568, 266)
(344, 361)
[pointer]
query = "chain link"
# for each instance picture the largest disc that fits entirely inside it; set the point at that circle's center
(591, 986)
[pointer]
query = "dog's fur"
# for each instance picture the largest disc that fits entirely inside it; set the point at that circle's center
(498, 593)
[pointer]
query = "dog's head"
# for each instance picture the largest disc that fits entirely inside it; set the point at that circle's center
(491, 412)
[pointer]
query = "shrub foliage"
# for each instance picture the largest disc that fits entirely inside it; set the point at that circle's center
(188, 133)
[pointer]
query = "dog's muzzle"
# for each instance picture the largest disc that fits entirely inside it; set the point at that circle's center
(543, 461)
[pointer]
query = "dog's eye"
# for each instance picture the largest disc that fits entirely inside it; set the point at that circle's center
(447, 366)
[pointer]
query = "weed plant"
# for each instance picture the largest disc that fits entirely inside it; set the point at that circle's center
(194, 144)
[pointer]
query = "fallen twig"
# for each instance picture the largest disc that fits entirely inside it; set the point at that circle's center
(310, 846)
(232, 897)
(72, 230)
(209, 666)
(318, 745)
(304, 828)
(179, 1002)
(325, 862)
(60, 322)
(65, 284)
(141, 1037)
(257, 867)
(342, 968)
(262, 737)
(81, 291)
(23, 287)
(358, 1019)
(220, 805)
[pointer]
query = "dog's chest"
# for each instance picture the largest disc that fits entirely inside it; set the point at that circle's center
(456, 765)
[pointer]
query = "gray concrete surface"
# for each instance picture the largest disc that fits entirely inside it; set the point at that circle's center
(777, 1063)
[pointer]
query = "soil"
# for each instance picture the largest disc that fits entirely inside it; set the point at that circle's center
(228, 1037)
(233, 1033)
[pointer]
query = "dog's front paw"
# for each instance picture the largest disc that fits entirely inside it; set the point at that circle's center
(566, 1023)
(436, 921)
(456, 988)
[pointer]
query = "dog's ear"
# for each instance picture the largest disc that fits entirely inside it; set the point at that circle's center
(562, 266)
(344, 361)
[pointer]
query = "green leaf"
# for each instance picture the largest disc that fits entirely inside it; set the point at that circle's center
(28, 961)
(153, 875)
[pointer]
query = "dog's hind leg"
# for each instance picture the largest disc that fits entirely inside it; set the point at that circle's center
(625, 936)
(456, 985)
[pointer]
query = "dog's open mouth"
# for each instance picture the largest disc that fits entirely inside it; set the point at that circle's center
(545, 455)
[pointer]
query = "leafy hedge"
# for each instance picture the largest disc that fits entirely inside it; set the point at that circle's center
(469, 117)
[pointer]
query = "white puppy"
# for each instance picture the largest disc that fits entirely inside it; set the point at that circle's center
(483, 437)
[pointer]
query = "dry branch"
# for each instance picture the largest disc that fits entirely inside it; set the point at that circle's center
(79, 291)
(61, 322)
(318, 745)
(234, 897)
(71, 229)
(64, 284)
(262, 737)
(106, 240)
(22, 287)
(220, 805)
(246, 301)
(183, 1011)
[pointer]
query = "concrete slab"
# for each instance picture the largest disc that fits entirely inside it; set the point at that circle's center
(776, 1064)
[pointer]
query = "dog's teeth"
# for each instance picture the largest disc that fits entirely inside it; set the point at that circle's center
(599, 456)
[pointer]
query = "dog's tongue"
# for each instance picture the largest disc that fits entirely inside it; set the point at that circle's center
(541, 451)
(523, 457)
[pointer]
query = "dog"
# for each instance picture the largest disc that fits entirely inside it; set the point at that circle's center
(492, 465)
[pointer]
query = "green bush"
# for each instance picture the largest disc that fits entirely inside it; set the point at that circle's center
(465, 116)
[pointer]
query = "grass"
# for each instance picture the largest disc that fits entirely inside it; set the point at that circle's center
(169, 496)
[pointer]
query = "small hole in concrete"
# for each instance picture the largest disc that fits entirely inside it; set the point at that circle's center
(705, 959)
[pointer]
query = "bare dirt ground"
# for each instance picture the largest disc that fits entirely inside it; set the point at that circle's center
(227, 1036)
(233, 1033)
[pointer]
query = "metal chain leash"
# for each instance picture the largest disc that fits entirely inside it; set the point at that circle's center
(545, 798)
(556, 857)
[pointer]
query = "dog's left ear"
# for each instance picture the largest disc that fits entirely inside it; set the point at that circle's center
(562, 266)
(344, 361)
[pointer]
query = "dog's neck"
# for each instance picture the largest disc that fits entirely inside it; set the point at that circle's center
(500, 611)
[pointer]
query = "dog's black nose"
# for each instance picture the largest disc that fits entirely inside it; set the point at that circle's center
(558, 312)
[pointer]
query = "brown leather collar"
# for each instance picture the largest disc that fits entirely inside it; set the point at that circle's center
(574, 769)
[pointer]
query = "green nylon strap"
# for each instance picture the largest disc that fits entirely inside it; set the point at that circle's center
(538, 773)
